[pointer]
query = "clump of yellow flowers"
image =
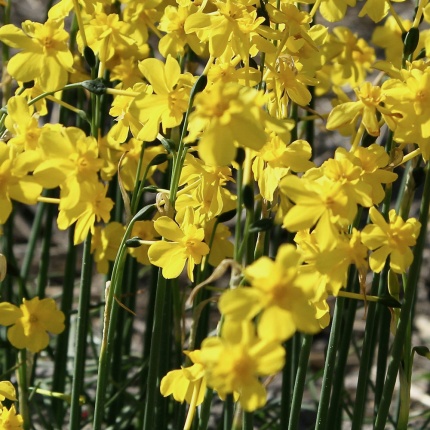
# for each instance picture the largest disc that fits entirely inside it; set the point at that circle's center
(184, 142)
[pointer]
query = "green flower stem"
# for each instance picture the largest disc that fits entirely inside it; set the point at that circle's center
(154, 357)
(60, 368)
(239, 203)
(178, 160)
(32, 242)
(228, 412)
(299, 384)
(335, 411)
(287, 384)
(6, 86)
(205, 409)
(248, 421)
(51, 93)
(23, 392)
(81, 335)
(367, 353)
(383, 352)
(123, 337)
(399, 338)
(109, 322)
(147, 341)
(42, 278)
(336, 328)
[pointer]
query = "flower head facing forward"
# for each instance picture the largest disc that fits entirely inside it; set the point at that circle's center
(45, 55)
(392, 239)
(185, 246)
(235, 361)
(31, 322)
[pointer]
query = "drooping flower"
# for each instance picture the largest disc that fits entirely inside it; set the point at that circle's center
(7, 391)
(91, 207)
(105, 244)
(31, 322)
(183, 383)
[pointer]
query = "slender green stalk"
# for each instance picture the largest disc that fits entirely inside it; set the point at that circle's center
(248, 421)
(205, 410)
(383, 353)
(42, 278)
(60, 368)
(299, 384)
(154, 357)
(81, 335)
(167, 357)
(335, 411)
(368, 348)
(239, 203)
(147, 341)
(32, 242)
(228, 412)
(287, 384)
(113, 290)
(179, 159)
(23, 393)
(399, 338)
(6, 86)
(336, 328)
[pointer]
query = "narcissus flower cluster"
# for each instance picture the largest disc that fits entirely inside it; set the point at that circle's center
(204, 111)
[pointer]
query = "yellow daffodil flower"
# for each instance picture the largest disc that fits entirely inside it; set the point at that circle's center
(172, 22)
(45, 56)
(10, 420)
(279, 293)
(276, 159)
(183, 383)
(227, 116)
(15, 182)
(7, 391)
(370, 102)
(184, 246)
(235, 361)
(393, 238)
(321, 203)
(31, 322)
(411, 98)
(91, 207)
(23, 124)
(105, 243)
(167, 106)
